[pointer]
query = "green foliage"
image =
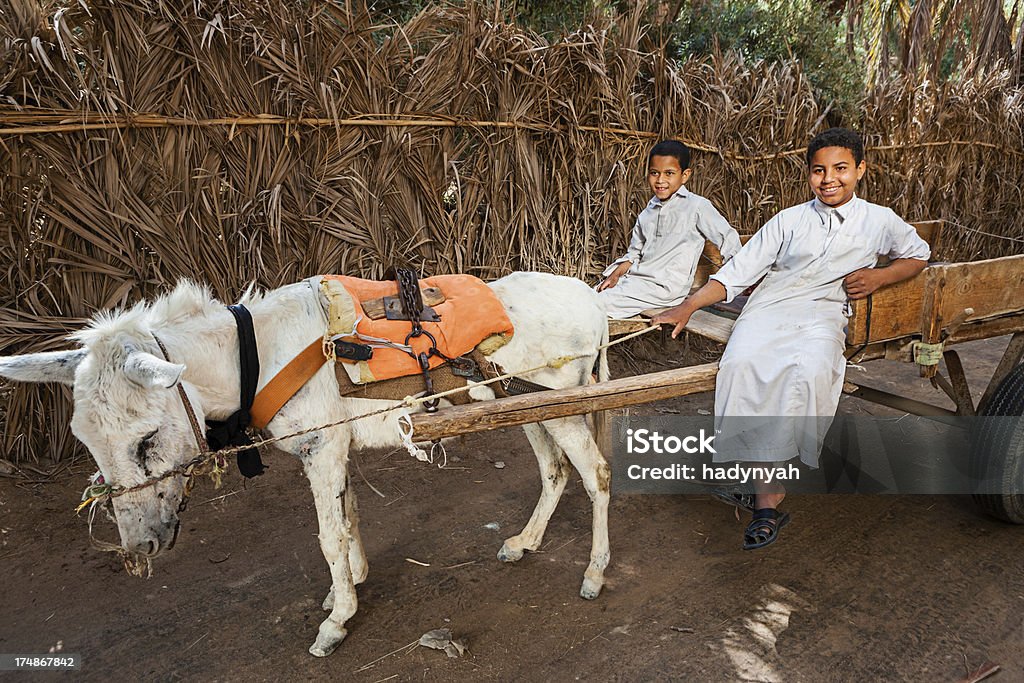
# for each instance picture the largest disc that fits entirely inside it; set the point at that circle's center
(551, 16)
(776, 30)
(398, 11)
(542, 16)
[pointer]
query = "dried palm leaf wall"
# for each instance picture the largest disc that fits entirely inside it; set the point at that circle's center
(238, 142)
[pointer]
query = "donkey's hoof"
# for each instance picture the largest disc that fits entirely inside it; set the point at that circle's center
(507, 554)
(590, 589)
(327, 641)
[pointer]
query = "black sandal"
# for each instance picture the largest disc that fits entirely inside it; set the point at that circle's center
(743, 501)
(764, 528)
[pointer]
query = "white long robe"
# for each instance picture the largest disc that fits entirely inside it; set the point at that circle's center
(665, 248)
(785, 355)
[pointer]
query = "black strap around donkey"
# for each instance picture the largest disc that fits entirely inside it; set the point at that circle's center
(232, 430)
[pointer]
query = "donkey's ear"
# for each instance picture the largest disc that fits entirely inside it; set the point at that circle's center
(151, 372)
(52, 366)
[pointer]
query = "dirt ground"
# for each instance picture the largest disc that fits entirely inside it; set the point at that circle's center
(859, 588)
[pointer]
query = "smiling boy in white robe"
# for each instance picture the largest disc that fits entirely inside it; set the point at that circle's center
(667, 241)
(785, 355)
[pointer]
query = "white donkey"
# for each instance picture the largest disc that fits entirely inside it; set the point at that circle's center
(129, 415)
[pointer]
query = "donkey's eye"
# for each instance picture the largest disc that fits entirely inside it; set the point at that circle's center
(144, 444)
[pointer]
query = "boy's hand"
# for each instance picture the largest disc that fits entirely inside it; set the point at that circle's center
(613, 279)
(677, 315)
(860, 283)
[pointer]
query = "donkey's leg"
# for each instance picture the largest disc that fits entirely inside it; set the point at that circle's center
(356, 553)
(572, 435)
(554, 472)
(326, 470)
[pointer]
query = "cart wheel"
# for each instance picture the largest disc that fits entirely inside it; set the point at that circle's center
(997, 452)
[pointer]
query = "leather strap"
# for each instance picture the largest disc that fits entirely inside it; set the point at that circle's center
(248, 357)
(231, 431)
(189, 411)
(286, 383)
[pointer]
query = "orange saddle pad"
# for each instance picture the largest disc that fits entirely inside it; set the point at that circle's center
(469, 314)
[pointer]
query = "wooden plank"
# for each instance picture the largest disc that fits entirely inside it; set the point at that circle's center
(548, 405)
(958, 388)
(715, 327)
(987, 329)
(709, 262)
(930, 232)
(991, 288)
(931, 322)
(895, 312)
(619, 328)
(899, 349)
(895, 401)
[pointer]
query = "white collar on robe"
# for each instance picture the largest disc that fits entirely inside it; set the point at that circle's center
(681, 192)
(842, 212)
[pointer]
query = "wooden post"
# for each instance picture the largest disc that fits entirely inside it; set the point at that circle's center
(931, 313)
(548, 405)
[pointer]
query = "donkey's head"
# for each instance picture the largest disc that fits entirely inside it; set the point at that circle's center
(129, 414)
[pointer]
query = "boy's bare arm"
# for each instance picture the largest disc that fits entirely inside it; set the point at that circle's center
(613, 278)
(711, 293)
(861, 283)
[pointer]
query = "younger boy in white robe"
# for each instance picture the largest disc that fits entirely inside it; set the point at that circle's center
(667, 241)
(785, 355)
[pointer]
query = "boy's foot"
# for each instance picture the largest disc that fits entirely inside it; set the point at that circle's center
(764, 528)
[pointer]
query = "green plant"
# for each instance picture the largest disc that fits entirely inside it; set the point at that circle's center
(776, 31)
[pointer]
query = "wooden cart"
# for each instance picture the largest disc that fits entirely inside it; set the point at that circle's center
(918, 320)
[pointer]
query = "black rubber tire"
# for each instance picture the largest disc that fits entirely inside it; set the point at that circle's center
(997, 451)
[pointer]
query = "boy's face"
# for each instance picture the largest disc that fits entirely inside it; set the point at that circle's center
(665, 177)
(834, 174)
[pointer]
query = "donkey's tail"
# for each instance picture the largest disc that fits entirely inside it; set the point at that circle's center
(599, 420)
(603, 374)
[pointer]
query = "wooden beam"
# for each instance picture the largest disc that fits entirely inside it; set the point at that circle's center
(890, 400)
(895, 313)
(548, 405)
(624, 326)
(711, 326)
(986, 329)
(930, 232)
(989, 288)
(931, 320)
(703, 322)
(957, 388)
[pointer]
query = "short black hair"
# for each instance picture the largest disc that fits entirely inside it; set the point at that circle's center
(837, 137)
(671, 148)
